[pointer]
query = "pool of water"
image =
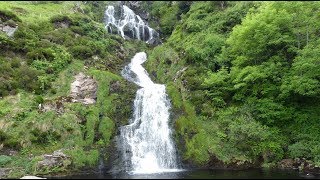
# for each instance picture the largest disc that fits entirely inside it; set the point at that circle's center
(202, 174)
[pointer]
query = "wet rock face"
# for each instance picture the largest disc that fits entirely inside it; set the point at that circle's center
(121, 19)
(137, 7)
(84, 89)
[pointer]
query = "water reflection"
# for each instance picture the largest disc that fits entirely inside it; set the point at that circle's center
(201, 174)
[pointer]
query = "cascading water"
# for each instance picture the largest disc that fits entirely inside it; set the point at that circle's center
(129, 24)
(146, 143)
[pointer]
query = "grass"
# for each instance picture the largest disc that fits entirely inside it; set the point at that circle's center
(30, 12)
(63, 82)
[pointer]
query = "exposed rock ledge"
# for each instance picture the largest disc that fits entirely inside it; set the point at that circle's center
(84, 89)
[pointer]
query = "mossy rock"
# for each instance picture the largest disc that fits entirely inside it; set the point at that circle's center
(6, 15)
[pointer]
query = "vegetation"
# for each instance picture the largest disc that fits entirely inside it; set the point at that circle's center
(247, 74)
(242, 77)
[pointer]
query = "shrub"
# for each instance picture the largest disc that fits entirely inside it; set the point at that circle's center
(60, 36)
(39, 99)
(41, 53)
(15, 63)
(60, 18)
(4, 160)
(81, 52)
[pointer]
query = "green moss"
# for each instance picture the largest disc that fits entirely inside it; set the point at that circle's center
(106, 128)
(81, 158)
(174, 95)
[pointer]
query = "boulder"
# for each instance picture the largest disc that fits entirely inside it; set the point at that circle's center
(57, 159)
(8, 29)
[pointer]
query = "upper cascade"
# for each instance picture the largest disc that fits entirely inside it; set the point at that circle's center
(129, 25)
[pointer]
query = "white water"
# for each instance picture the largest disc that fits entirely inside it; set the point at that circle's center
(131, 22)
(146, 142)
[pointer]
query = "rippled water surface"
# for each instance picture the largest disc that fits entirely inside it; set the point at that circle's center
(202, 174)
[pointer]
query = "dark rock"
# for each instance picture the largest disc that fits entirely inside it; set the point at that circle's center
(62, 24)
(136, 6)
(112, 29)
(127, 31)
(4, 172)
(286, 164)
(115, 87)
(13, 153)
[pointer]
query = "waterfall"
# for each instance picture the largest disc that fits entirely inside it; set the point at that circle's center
(146, 142)
(129, 24)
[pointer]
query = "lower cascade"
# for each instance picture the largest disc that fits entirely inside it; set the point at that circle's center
(145, 143)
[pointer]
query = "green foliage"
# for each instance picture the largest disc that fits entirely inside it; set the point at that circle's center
(218, 88)
(303, 78)
(39, 99)
(4, 160)
(168, 14)
(81, 52)
(60, 18)
(106, 128)
(95, 9)
(81, 158)
(174, 95)
(251, 80)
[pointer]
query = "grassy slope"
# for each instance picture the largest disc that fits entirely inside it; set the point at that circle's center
(31, 13)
